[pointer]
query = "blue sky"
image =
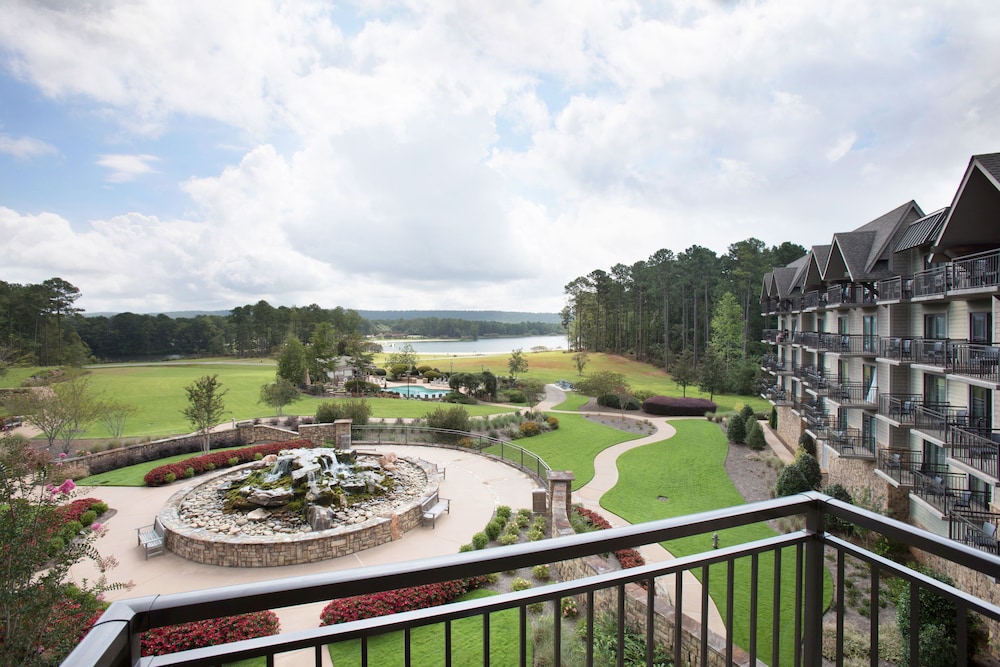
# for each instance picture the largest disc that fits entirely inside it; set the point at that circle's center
(426, 154)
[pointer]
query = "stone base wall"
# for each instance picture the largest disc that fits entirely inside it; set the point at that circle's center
(789, 427)
(636, 597)
(202, 546)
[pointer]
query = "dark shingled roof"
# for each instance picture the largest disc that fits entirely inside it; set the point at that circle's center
(990, 162)
(784, 277)
(924, 230)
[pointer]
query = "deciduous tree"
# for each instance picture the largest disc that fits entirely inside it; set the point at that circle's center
(292, 364)
(278, 394)
(517, 363)
(205, 406)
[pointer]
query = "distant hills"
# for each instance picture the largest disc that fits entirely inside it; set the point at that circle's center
(504, 316)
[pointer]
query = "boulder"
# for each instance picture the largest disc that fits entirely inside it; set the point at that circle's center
(270, 497)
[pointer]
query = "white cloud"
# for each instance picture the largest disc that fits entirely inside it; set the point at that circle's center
(24, 147)
(126, 168)
(484, 154)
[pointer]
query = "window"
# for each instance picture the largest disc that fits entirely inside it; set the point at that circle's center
(980, 402)
(870, 330)
(980, 328)
(843, 374)
(934, 391)
(868, 431)
(980, 489)
(935, 326)
(933, 457)
(843, 326)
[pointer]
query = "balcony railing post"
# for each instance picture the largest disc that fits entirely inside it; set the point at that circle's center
(812, 622)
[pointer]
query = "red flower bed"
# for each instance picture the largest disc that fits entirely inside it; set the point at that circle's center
(391, 602)
(157, 476)
(198, 634)
(75, 509)
(678, 406)
(626, 557)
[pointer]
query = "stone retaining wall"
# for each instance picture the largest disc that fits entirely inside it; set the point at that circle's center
(664, 614)
(202, 546)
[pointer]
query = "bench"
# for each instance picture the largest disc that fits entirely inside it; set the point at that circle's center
(433, 507)
(151, 537)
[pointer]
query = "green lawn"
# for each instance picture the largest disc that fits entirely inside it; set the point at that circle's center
(573, 402)
(687, 470)
(427, 643)
(573, 445)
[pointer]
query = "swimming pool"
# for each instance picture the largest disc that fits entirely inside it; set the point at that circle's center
(416, 391)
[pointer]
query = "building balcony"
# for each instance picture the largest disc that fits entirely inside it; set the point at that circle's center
(932, 282)
(815, 379)
(770, 336)
(853, 394)
(851, 442)
(975, 447)
(895, 348)
(768, 307)
(935, 352)
(813, 300)
(932, 420)
(979, 271)
(775, 394)
(809, 339)
(849, 344)
(849, 295)
(899, 465)
(900, 408)
(894, 290)
(786, 569)
(944, 490)
(975, 360)
(772, 364)
(978, 529)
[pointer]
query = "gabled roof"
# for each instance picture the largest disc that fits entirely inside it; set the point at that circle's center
(785, 276)
(972, 221)
(818, 256)
(923, 231)
(765, 287)
(863, 254)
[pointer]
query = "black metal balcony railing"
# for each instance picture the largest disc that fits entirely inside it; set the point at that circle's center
(899, 464)
(816, 379)
(773, 392)
(975, 360)
(932, 351)
(768, 306)
(770, 335)
(895, 289)
(901, 408)
(772, 364)
(931, 282)
(938, 487)
(808, 339)
(977, 448)
(977, 528)
(849, 344)
(851, 442)
(810, 300)
(853, 393)
(896, 348)
(934, 419)
(114, 640)
(976, 271)
(850, 294)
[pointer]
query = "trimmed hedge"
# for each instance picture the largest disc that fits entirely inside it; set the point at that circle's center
(199, 634)
(166, 474)
(626, 557)
(614, 401)
(678, 406)
(385, 603)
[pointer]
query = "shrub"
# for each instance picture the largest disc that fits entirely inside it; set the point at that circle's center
(480, 540)
(810, 468)
(88, 518)
(504, 512)
(790, 481)
(515, 396)
(772, 420)
(568, 608)
(520, 584)
(937, 627)
(736, 431)
(361, 387)
(360, 607)
(209, 467)
(494, 528)
(614, 402)
(807, 443)
(159, 476)
(189, 472)
(456, 418)
(553, 423)
(747, 413)
(833, 523)
(541, 572)
(169, 478)
(200, 634)
(536, 534)
(678, 406)
(508, 539)
(755, 438)
(232, 461)
(529, 429)
(327, 413)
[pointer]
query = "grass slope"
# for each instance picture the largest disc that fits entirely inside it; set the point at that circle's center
(687, 470)
(573, 445)
(427, 643)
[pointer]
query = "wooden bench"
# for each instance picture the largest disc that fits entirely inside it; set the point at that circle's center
(433, 507)
(151, 537)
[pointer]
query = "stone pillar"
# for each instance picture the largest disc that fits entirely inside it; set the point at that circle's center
(247, 433)
(561, 491)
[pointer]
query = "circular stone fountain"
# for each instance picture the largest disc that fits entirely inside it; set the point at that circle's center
(302, 506)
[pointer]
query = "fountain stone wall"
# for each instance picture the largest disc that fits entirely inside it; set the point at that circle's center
(203, 546)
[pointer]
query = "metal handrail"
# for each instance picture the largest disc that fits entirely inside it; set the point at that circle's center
(114, 640)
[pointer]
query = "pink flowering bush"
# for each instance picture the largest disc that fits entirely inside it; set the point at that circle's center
(207, 462)
(198, 634)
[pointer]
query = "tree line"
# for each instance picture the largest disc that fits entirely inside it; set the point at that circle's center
(663, 310)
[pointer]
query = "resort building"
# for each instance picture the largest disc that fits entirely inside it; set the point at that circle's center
(885, 355)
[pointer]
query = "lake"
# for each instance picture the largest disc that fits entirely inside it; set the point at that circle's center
(477, 347)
